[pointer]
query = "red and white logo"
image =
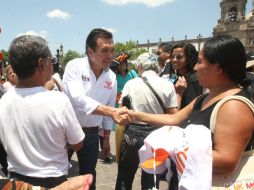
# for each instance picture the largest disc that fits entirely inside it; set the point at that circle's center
(108, 85)
(85, 78)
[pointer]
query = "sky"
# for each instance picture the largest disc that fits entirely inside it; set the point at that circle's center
(68, 22)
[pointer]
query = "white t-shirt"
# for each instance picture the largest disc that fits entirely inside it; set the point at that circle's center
(35, 126)
(86, 92)
(143, 99)
(7, 85)
(56, 76)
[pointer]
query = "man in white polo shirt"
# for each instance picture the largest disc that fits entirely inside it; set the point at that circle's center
(36, 124)
(91, 87)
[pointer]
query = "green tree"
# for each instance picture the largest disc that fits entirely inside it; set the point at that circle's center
(130, 47)
(69, 55)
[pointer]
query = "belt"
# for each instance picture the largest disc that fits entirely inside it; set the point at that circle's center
(91, 130)
(48, 182)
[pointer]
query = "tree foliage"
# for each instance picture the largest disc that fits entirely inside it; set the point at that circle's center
(69, 55)
(130, 47)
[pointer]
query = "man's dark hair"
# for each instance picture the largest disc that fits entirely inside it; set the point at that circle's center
(166, 47)
(24, 52)
(91, 41)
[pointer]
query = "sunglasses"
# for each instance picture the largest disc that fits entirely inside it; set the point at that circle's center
(178, 57)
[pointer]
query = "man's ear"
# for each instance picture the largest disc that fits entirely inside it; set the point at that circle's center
(40, 64)
(90, 52)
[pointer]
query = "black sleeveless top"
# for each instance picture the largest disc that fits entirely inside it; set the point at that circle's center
(202, 117)
(193, 89)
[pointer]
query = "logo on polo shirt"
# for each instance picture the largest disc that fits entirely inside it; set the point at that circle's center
(85, 78)
(108, 85)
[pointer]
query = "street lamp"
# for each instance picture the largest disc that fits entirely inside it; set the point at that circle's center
(148, 44)
(199, 37)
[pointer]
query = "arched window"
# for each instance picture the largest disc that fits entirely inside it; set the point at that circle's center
(232, 14)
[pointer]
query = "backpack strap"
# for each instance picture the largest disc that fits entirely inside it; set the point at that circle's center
(221, 102)
(154, 92)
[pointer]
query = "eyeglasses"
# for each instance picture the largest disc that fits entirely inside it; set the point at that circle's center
(160, 52)
(178, 57)
(53, 60)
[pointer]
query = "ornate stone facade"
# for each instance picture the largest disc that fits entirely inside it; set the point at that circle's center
(235, 22)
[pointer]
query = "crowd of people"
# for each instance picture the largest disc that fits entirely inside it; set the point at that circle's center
(44, 119)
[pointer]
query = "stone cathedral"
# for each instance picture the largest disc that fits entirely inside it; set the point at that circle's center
(234, 21)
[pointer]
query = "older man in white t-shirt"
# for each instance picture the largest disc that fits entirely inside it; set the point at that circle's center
(36, 124)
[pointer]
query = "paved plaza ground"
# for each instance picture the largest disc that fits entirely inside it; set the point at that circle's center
(106, 172)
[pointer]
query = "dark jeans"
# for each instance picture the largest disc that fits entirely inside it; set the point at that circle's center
(48, 182)
(88, 155)
(133, 140)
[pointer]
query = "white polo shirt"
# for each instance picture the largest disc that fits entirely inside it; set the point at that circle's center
(86, 93)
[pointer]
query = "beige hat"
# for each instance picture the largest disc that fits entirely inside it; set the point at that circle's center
(250, 64)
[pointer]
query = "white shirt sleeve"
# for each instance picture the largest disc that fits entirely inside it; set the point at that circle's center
(73, 131)
(74, 88)
(172, 100)
(107, 122)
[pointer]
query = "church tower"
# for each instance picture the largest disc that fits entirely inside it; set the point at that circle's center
(235, 22)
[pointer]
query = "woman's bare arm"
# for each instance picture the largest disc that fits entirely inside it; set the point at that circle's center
(162, 119)
(234, 128)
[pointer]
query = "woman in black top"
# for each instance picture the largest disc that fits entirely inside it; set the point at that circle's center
(221, 69)
(184, 57)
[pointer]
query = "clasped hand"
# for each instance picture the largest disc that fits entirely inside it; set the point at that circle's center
(122, 116)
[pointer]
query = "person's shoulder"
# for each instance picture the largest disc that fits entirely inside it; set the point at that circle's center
(134, 80)
(165, 83)
(57, 99)
(111, 74)
(57, 93)
(133, 73)
(76, 62)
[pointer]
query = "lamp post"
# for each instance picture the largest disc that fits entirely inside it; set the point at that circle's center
(199, 37)
(148, 44)
(59, 55)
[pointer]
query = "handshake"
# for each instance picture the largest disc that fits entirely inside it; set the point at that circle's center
(123, 116)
